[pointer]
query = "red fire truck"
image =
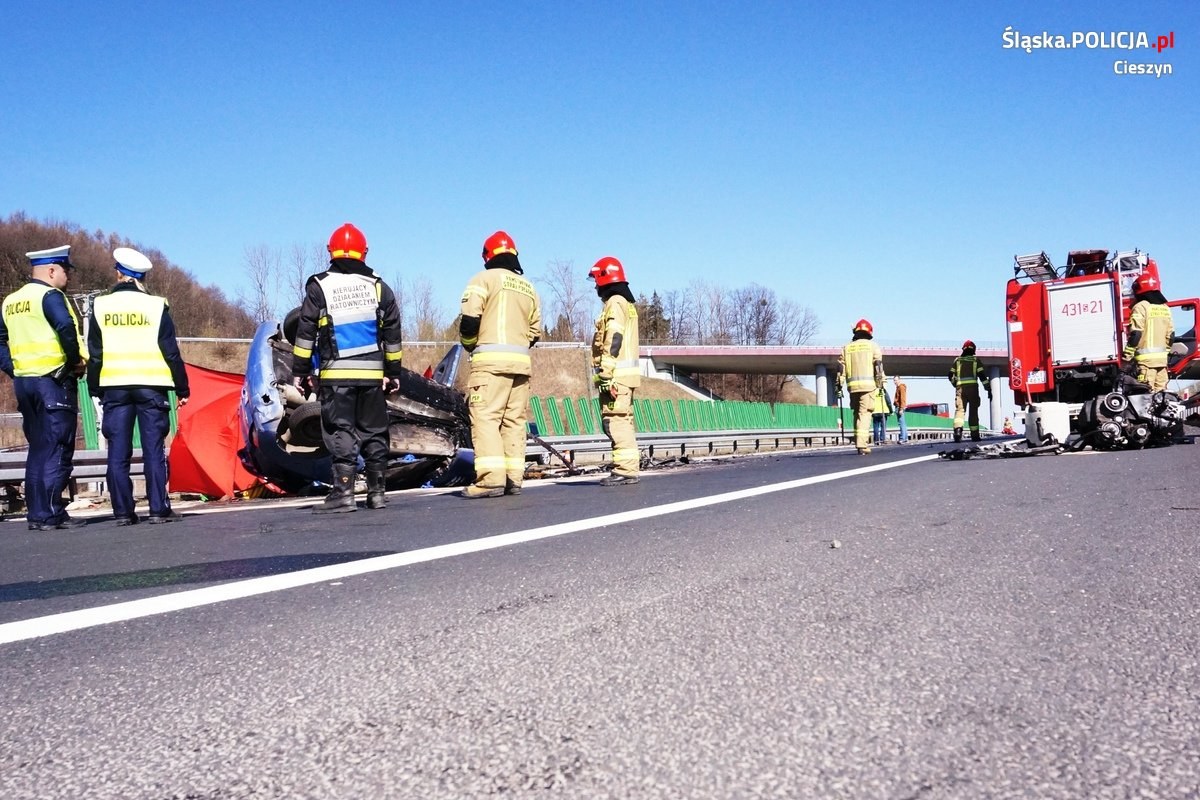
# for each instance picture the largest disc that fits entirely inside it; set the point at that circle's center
(1066, 331)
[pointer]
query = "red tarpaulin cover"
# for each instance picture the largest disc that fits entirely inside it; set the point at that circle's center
(203, 456)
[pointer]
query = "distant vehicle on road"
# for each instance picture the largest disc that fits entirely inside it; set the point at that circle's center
(933, 409)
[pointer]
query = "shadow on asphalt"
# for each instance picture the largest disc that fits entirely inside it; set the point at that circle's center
(210, 572)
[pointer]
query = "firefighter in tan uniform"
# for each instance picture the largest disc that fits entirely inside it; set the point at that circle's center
(860, 369)
(616, 369)
(966, 374)
(1151, 329)
(501, 320)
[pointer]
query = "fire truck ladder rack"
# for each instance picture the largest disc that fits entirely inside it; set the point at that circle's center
(1036, 267)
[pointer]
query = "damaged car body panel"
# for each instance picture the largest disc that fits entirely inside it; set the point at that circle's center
(429, 436)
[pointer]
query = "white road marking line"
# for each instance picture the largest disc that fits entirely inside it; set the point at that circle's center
(150, 606)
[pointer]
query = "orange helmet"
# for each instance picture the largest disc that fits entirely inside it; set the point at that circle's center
(1146, 282)
(499, 242)
(864, 327)
(348, 242)
(607, 270)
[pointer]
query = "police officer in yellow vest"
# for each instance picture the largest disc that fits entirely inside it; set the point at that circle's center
(501, 320)
(966, 374)
(351, 320)
(616, 367)
(133, 363)
(881, 409)
(860, 368)
(41, 350)
(1151, 329)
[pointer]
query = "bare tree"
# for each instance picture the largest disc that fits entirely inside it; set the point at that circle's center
(303, 261)
(677, 308)
(260, 298)
(570, 299)
(797, 323)
(428, 318)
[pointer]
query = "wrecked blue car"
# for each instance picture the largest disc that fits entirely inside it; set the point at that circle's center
(429, 431)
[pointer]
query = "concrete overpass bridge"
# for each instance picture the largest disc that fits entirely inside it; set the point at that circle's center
(820, 360)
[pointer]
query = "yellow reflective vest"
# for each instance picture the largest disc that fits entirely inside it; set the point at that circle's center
(510, 317)
(967, 371)
(619, 316)
(34, 345)
(880, 402)
(129, 323)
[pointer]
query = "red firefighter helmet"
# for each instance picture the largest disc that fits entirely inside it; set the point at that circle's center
(968, 345)
(348, 242)
(1147, 282)
(607, 270)
(864, 327)
(499, 242)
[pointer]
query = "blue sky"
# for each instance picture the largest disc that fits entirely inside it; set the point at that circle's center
(881, 160)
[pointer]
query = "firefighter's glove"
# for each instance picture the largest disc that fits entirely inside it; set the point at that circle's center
(391, 385)
(954, 382)
(1128, 354)
(304, 384)
(604, 384)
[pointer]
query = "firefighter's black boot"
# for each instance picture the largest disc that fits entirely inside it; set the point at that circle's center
(341, 497)
(958, 434)
(376, 498)
(975, 437)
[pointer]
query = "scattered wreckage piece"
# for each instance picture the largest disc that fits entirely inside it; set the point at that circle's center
(1018, 449)
(569, 463)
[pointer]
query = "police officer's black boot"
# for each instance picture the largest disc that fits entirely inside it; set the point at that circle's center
(958, 434)
(341, 497)
(376, 497)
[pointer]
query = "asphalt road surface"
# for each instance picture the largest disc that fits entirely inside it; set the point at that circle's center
(984, 629)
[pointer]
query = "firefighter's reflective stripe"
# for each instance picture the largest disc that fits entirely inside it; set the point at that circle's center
(34, 345)
(303, 348)
(514, 463)
(858, 361)
(351, 311)
(129, 324)
(1155, 322)
(501, 354)
(966, 369)
(502, 348)
(357, 373)
(625, 454)
(624, 370)
(486, 463)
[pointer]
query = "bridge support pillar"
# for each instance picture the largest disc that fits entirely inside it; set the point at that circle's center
(995, 420)
(824, 389)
